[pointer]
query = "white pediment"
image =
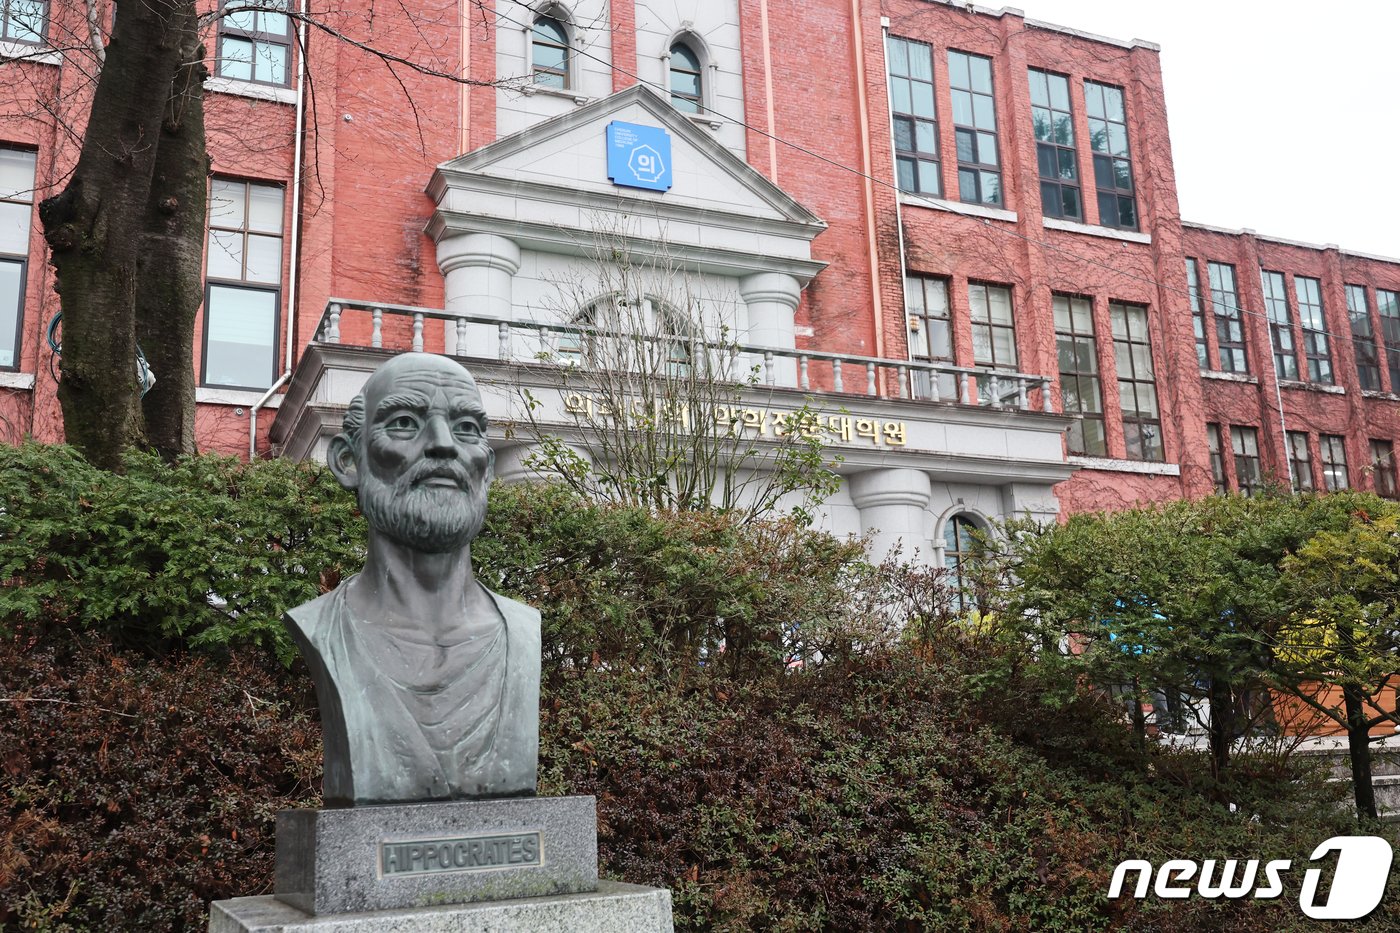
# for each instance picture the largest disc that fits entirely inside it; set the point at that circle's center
(554, 177)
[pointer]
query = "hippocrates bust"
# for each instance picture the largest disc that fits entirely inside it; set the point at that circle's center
(428, 682)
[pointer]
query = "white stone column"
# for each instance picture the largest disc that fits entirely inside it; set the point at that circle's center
(478, 271)
(893, 504)
(771, 298)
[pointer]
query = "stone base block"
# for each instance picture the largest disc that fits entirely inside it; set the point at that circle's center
(396, 856)
(613, 908)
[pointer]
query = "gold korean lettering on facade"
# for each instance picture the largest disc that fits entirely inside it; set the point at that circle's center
(762, 422)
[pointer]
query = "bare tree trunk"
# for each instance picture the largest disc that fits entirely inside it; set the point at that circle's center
(95, 228)
(1359, 745)
(169, 292)
(1222, 722)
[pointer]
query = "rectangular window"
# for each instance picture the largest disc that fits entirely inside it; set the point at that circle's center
(1244, 443)
(1229, 329)
(1280, 325)
(915, 129)
(993, 331)
(1333, 448)
(930, 335)
(256, 44)
(1198, 314)
(1300, 462)
(1383, 468)
(1054, 145)
(1217, 460)
(975, 126)
(16, 209)
(1368, 367)
(24, 21)
(1137, 385)
(1079, 375)
(243, 299)
(1309, 293)
(1388, 304)
(1113, 168)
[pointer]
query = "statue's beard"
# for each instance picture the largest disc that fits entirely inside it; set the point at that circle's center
(431, 518)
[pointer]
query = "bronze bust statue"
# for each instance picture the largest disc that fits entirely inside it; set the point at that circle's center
(428, 682)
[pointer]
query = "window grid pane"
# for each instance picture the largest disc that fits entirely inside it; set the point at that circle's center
(1244, 444)
(24, 21)
(1300, 462)
(549, 52)
(1334, 461)
(255, 45)
(1383, 468)
(243, 270)
(1363, 341)
(1198, 316)
(1229, 331)
(975, 128)
(16, 209)
(960, 535)
(1309, 292)
(1388, 306)
(1137, 386)
(1113, 169)
(1053, 126)
(915, 125)
(685, 79)
(1280, 325)
(930, 335)
(1217, 459)
(1080, 392)
(993, 331)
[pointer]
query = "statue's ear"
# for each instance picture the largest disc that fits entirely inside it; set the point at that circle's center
(490, 465)
(341, 459)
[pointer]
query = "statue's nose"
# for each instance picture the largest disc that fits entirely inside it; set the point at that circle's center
(440, 438)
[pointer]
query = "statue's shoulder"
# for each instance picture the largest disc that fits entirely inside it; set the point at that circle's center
(312, 619)
(516, 613)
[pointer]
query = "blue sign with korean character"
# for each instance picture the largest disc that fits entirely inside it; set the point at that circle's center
(639, 156)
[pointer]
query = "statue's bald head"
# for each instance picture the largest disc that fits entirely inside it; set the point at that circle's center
(414, 448)
(414, 364)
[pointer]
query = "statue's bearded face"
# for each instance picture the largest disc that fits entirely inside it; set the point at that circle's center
(423, 461)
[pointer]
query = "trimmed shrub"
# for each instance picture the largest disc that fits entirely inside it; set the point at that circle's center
(875, 796)
(137, 790)
(208, 552)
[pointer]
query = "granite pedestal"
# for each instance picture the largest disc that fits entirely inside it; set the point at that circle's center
(395, 856)
(613, 908)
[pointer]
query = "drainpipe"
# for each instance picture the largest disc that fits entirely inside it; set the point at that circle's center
(294, 238)
(863, 112)
(894, 167)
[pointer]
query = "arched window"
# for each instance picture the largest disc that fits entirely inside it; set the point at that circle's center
(686, 87)
(962, 537)
(550, 51)
(633, 334)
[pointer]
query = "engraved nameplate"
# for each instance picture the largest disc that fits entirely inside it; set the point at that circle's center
(472, 853)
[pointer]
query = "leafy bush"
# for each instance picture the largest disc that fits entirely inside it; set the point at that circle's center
(883, 789)
(875, 795)
(619, 585)
(209, 551)
(137, 790)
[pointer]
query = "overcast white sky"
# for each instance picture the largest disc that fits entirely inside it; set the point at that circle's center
(1284, 115)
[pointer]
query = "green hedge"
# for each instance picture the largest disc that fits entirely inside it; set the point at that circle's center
(148, 734)
(871, 796)
(210, 552)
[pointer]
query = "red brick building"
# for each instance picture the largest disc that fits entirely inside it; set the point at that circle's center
(967, 212)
